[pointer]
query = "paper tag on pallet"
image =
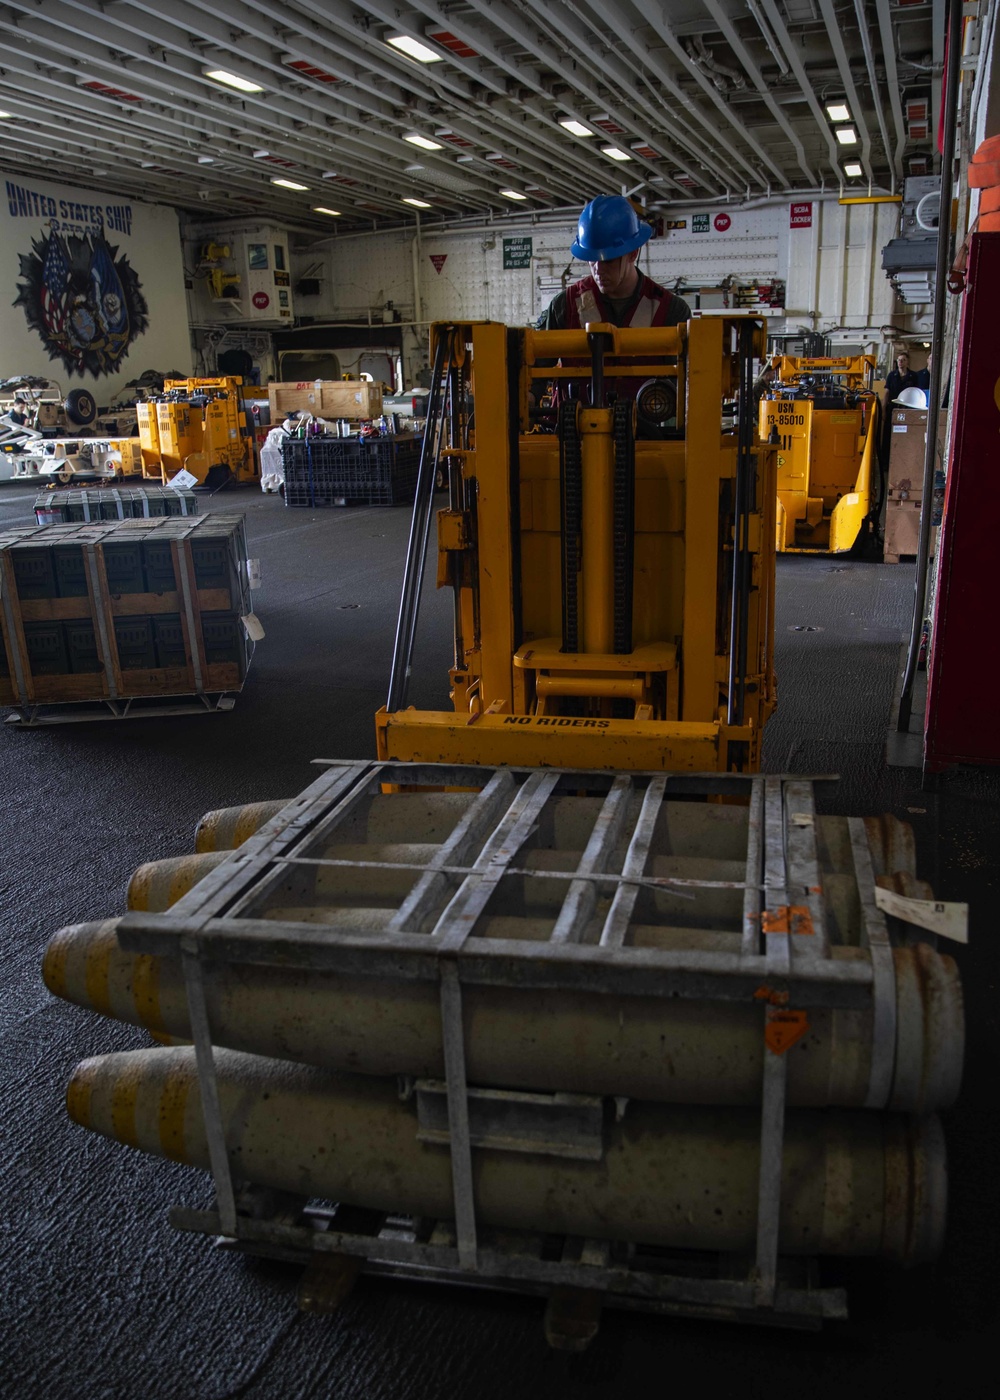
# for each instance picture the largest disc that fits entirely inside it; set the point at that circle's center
(182, 480)
(254, 630)
(949, 920)
(253, 573)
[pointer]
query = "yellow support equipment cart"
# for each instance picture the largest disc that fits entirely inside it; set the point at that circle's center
(823, 418)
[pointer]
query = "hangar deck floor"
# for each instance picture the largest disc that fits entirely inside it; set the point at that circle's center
(102, 1299)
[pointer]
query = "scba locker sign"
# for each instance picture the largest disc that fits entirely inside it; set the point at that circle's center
(800, 216)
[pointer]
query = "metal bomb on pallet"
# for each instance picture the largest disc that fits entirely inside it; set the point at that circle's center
(527, 956)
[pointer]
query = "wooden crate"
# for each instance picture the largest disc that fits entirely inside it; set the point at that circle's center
(20, 687)
(335, 398)
(902, 531)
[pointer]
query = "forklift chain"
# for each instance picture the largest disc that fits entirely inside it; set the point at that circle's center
(624, 524)
(571, 493)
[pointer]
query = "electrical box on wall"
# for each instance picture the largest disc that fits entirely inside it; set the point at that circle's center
(241, 274)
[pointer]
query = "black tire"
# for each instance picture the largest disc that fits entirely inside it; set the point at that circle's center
(80, 407)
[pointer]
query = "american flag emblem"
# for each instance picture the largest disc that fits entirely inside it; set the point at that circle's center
(55, 280)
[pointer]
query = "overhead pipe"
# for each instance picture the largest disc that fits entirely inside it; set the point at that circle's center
(732, 37)
(802, 78)
(859, 9)
(942, 264)
(887, 49)
(509, 129)
(653, 13)
(611, 66)
(768, 37)
(511, 25)
(698, 53)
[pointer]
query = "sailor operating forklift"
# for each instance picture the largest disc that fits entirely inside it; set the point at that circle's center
(610, 236)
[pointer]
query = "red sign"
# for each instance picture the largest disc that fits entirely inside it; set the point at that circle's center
(439, 260)
(800, 216)
(261, 300)
(722, 222)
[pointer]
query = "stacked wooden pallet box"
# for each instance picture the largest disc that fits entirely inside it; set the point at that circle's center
(904, 487)
(356, 399)
(119, 611)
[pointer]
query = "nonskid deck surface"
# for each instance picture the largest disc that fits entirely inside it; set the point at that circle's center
(125, 1329)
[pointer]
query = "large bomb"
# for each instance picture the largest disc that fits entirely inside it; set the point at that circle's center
(858, 1183)
(662, 1049)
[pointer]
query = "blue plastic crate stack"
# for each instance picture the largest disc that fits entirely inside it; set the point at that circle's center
(331, 471)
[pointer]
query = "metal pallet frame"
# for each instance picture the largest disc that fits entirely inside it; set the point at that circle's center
(784, 961)
(79, 711)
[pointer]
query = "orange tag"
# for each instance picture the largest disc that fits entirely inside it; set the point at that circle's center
(784, 1029)
(801, 918)
(787, 918)
(768, 994)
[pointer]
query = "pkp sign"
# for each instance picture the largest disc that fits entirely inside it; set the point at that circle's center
(721, 223)
(800, 215)
(261, 300)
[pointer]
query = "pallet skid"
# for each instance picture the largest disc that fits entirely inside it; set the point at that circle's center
(673, 1283)
(135, 707)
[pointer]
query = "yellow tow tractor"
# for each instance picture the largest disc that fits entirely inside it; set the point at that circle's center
(822, 415)
(198, 426)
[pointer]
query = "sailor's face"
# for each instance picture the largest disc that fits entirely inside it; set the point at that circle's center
(614, 278)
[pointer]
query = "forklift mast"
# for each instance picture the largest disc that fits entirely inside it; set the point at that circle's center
(611, 552)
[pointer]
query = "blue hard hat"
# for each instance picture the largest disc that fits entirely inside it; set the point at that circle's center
(608, 228)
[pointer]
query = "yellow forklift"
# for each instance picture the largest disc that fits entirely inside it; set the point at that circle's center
(822, 414)
(612, 559)
(198, 426)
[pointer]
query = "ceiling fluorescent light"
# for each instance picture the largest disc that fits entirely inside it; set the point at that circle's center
(838, 111)
(513, 194)
(206, 160)
(853, 170)
(5, 116)
(847, 136)
(615, 153)
(413, 48)
(425, 144)
(417, 203)
(259, 155)
(288, 184)
(233, 80)
(575, 128)
(334, 213)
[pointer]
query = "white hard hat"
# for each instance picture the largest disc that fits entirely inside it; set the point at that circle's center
(913, 398)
